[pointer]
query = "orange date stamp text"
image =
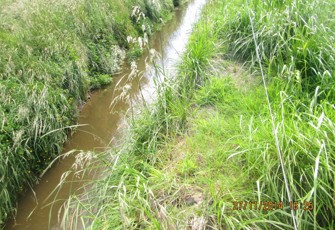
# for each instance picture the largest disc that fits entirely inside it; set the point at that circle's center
(272, 205)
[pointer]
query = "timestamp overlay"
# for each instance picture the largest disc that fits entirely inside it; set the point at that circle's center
(272, 205)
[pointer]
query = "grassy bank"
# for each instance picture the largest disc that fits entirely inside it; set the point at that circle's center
(223, 132)
(52, 54)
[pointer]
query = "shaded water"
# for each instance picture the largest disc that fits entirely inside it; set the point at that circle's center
(103, 126)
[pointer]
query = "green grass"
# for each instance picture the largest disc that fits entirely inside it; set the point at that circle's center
(209, 141)
(51, 56)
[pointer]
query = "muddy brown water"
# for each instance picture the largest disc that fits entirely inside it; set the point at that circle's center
(102, 128)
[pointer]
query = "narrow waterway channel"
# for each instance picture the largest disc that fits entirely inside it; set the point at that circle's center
(102, 127)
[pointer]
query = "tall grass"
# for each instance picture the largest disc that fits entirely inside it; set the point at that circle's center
(209, 142)
(289, 33)
(51, 54)
(294, 40)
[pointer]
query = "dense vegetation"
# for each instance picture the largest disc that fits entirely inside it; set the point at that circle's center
(51, 55)
(220, 132)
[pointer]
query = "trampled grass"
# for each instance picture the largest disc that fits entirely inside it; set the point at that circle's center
(209, 140)
(51, 54)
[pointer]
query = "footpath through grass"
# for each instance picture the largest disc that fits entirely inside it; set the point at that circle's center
(51, 54)
(209, 140)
